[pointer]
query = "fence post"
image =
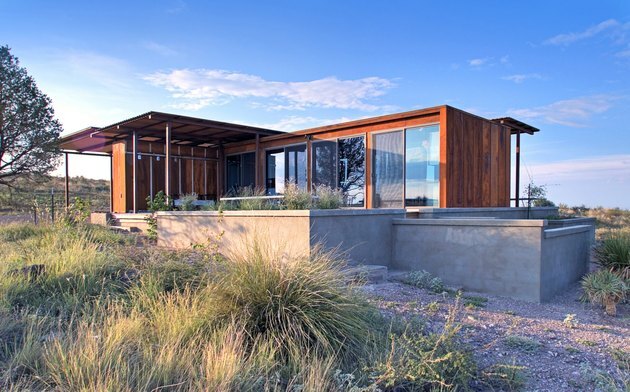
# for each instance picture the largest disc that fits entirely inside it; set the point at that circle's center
(52, 205)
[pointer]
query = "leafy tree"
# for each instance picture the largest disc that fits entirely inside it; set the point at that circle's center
(28, 129)
(537, 195)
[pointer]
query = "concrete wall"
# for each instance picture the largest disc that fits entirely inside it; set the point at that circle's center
(354, 232)
(521, 259)
(490, 212)
(133, 221)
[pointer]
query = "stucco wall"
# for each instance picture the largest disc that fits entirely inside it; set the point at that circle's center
(354, 232)
(516, 258)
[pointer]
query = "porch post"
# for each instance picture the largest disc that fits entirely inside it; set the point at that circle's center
(518, 165)
(220, 170)
(167, 162)
(67, 184)
(258, 183)
(135, 171)
(111, 182)
(309, 158)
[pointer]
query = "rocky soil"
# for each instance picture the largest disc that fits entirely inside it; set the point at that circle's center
(584, 353)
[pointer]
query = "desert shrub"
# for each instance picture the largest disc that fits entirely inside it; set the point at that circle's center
(159, 203)
(296, 198)
(522, 343)
(78, 212)
(301, 305)
(425, 280)
(188, 202)
(256, 203)
(613, 254)
(328, 198)
(604, 288)
(421, 362)
(503, 377)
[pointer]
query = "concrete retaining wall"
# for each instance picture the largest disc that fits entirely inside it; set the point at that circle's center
(486, 212)
(354, 232)
(521, 259)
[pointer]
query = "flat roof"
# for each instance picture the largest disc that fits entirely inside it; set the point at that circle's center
(516, 126)
(151, 127)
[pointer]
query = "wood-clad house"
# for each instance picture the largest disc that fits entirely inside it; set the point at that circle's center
(439, 156)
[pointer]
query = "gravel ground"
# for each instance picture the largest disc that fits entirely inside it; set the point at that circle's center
(556, 356)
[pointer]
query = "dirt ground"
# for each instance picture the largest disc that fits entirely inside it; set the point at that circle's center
(555, 355)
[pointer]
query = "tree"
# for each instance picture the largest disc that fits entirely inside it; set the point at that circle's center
(536, 195)
(28, 128)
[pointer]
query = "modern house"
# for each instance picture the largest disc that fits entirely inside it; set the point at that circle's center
(427, 189)
(440, 157)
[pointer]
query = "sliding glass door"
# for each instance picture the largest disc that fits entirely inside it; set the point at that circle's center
(284, 166)
(406, 168)
(240, 172)
(351, 170)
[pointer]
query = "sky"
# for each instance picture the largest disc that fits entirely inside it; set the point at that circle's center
(561, 66)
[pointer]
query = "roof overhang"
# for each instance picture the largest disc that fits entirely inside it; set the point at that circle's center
(151, 127)
(516, 126)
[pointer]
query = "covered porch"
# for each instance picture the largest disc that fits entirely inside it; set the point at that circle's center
(158, 151)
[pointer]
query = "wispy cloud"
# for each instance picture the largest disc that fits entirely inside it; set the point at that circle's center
(569, 38)
(520, 78)
(478, 62)
(294, 123)
(198, 88)
(160, 49)
(570, 112)
(590, 168)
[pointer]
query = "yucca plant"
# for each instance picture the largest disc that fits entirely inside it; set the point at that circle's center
(613, 254)
(605, 288)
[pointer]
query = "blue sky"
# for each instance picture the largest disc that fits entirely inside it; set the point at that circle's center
(562, 66)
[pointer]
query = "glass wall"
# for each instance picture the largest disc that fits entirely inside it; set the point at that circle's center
(324, 165)
(422, 166)
(351, 170)
(284, 166)
(240, 172)
(388, 161)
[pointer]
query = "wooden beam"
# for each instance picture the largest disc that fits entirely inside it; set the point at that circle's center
(213, 124)
(518, 167)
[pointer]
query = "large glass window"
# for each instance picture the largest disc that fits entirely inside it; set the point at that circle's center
(324, 166)
(284, 166)
(241, 171)
(351, 170)
(387, 169)
(422, 166)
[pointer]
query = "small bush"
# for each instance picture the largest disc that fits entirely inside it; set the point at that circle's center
(604, 288)
(425, 280)
(158, 203)
(419, 362)
(296, 198)
(613, 254)
(474, 301)
(257, 203)
(504, 377)
(188, 202)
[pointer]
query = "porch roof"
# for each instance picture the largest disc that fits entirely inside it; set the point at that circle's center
(151, 127)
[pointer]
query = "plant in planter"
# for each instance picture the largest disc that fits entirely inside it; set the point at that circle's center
(159, 203)
(613, 254)
(605, 288)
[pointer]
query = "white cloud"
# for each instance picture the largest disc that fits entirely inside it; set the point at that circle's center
(295, 123)
(520, 78)
(570, 112)
(569, 38)
(505, 59)
(590, 168)
(478, 62)
(198, 88)
(160, 49)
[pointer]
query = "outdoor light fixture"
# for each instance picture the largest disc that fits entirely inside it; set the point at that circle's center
(139, 157)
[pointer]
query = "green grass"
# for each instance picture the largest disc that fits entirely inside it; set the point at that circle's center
(522, 343)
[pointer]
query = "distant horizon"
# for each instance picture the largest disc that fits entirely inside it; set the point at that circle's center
(290, 66)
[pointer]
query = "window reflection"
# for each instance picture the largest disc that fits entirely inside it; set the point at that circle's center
(387, 169)
(351, 170)
(241, 171)
(422, 166)
(284, 166)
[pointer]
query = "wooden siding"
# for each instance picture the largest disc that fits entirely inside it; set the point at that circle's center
(477, 159)
(119, 189)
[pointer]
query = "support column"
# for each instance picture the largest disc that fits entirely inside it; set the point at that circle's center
(111, 182)
(167, 161)
(134, 168)
(258, 183)
(220, 171)
(67, 184)
(518, 166)
(309, 159)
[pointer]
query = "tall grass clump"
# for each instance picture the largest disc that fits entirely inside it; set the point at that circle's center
(613, 253)
(328, 198)
(256, 202)
(299, 304)
(296, 198)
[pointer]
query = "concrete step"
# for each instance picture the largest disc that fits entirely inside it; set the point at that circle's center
(368, 273)
(125, 229)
